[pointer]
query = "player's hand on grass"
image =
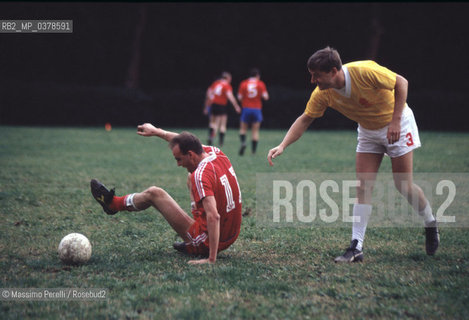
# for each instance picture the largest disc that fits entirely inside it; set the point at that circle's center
(147, 130)
(274, 153)
(394, 132)
(202, 261)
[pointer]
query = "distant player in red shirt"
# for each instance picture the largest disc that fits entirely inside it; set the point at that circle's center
(214, 192)
(216, 101)
(251, 92)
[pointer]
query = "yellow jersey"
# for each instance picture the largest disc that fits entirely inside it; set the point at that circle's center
(367, 98)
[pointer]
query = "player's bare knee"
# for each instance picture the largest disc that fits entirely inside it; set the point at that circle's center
(154, 192)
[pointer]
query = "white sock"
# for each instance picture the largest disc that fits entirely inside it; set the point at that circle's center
(129, 201)
(362, 212)
(426, 213)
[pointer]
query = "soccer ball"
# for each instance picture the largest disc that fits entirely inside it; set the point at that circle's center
(74, 248)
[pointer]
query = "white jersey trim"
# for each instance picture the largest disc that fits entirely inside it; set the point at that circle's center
(200, 169)
(198, 178)
(347, 90)
(198, 240)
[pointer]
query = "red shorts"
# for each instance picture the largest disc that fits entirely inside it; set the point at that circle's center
(199, 240)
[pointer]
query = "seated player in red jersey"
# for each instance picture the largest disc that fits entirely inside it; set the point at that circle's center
(214, 192)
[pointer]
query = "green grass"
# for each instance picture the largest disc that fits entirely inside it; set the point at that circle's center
(269, 273)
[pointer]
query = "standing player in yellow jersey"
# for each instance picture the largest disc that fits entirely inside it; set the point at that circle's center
(375, 98)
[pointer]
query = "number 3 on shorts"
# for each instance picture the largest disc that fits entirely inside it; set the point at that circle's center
(410, 142)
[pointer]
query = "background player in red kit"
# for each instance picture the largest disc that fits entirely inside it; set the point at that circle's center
(216, 100)
(214, 192)
(250, 93)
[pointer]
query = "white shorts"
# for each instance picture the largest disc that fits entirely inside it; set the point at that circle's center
(375, 141)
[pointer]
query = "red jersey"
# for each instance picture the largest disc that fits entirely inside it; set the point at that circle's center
(216, 177)
(218, 92)
(250, 93)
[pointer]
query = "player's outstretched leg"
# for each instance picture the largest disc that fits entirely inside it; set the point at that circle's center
(352, 254)
(103, 195)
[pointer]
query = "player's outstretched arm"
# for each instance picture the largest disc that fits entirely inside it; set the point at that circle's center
(149, 130)
(294, 133)
(213, 228)
(274, 153)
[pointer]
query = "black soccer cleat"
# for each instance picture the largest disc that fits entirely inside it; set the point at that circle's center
(102, 195)
(180, 246)
(432, 239)
(352, 254)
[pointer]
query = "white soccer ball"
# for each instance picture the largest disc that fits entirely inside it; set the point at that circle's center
(74, 248)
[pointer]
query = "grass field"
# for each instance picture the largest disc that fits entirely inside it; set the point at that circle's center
(269, 273)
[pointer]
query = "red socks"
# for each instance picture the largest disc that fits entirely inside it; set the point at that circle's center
(118, 203)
